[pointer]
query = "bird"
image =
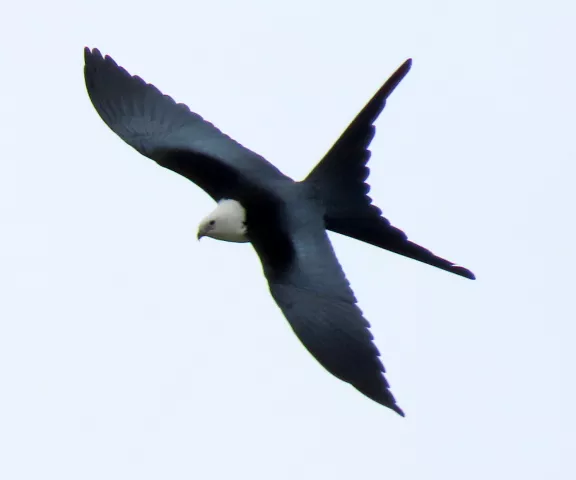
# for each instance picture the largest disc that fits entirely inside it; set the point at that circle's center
(285, 221)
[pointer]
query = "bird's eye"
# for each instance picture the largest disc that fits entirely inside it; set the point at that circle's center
(211, 222)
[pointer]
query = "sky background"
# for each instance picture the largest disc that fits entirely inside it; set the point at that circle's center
(130, 350)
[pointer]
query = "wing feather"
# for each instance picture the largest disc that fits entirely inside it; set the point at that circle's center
(313, 293)
(168, 132)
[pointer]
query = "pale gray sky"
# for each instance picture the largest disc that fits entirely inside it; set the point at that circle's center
(128, 350)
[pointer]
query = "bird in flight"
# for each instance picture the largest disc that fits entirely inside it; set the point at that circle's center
(285, 221)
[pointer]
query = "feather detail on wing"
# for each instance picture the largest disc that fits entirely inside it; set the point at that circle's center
(168, 132)
(315, 296)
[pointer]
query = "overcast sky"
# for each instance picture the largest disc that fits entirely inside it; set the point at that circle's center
(130, 350)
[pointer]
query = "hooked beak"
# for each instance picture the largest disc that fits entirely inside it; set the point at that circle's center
(202, 231)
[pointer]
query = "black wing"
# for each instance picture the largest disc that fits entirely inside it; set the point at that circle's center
(168, 132)
(341, 178)
(310, 288)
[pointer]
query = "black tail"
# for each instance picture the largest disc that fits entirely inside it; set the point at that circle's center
(340, 179)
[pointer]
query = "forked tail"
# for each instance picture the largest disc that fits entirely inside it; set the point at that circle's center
(340, 180)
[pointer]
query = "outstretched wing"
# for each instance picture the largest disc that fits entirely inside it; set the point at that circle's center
(168, 132)
(340, 179)
(312, 291)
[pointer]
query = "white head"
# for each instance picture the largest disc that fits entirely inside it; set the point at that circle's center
(227, 222)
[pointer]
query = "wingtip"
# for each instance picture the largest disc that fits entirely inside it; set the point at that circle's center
(91, 52)
(380, 393)
(398, 410)
(93, 58)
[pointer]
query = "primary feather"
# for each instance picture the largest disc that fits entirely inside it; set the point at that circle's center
(169, 133)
